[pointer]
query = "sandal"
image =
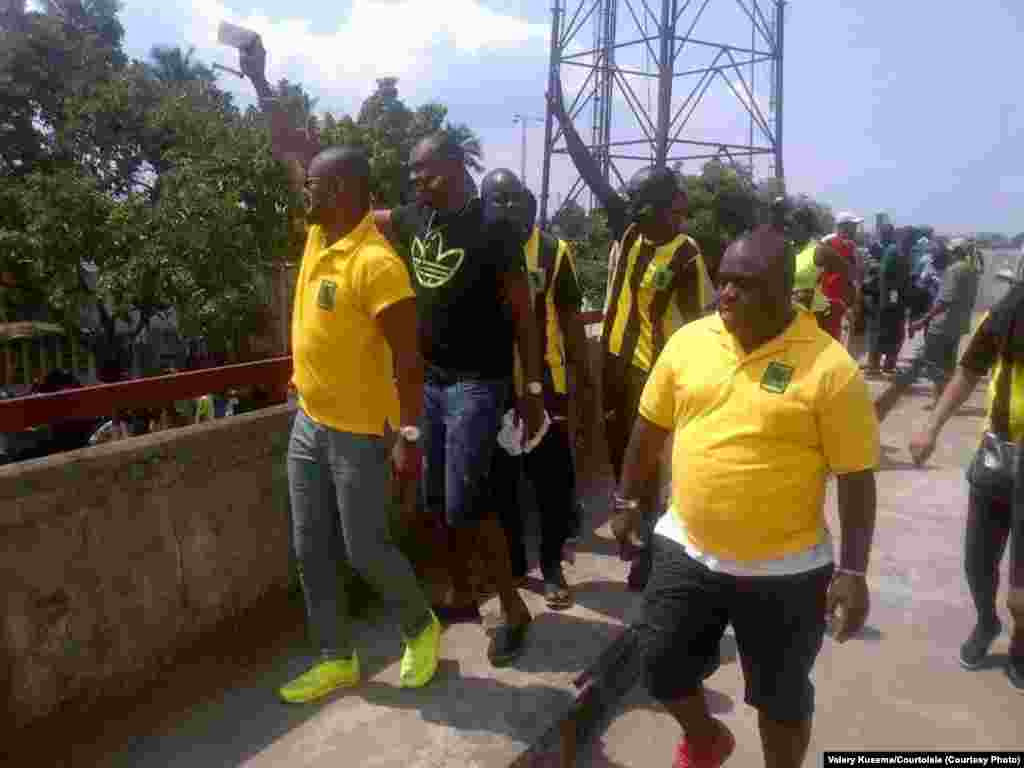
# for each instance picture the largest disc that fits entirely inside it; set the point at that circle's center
(556, 592)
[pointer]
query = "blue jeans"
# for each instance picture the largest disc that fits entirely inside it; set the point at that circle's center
(461, 421)
(341, 496)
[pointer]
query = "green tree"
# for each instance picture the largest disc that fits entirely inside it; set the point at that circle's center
(724, 203)
(48, 58)
(148, 174)
(464, 136)
(172, 65)
(147, 171)
(591, 254)
(570, 221)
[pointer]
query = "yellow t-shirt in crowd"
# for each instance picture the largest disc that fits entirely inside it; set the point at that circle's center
(757, 434)
(342, 362)
(807, 275)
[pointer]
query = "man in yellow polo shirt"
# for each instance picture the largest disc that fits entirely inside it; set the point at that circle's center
(354, 312)
(763, 406)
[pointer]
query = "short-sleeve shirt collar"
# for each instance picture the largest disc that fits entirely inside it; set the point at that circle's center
(803, 329)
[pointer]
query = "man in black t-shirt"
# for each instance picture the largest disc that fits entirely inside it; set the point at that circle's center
(997, 347)
(474, 305)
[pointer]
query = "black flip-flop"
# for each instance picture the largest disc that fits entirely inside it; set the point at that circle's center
(557, 595)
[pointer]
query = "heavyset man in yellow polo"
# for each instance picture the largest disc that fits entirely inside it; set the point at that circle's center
(763, 406)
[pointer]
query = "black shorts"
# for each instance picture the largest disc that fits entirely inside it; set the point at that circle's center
(940, 353)
(779, 623)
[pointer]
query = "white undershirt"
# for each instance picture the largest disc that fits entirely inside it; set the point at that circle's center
(811, 559)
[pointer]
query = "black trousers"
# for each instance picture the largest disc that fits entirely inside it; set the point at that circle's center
(991, 525)
(622, 389)
(549, 469)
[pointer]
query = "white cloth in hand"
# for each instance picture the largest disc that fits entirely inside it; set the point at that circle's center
(510, 437)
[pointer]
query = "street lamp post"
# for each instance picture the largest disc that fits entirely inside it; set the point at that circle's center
(523, 120)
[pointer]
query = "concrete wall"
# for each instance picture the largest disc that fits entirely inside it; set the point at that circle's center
(113, 558)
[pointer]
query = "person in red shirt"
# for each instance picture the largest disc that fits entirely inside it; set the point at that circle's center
(835, 286)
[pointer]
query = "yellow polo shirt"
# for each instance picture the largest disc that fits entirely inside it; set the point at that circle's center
(757, 434)
(342, 362)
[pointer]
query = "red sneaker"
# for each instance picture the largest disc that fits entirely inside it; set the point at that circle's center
(719, 752)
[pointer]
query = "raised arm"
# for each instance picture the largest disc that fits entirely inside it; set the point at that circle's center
(288, 142)
(581, 157)
(384, 221)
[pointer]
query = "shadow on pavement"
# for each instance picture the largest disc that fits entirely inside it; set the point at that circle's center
(609, 598)
(220, 706)
(467, 703)
(888, 463)
(994, 661)
(220, 690)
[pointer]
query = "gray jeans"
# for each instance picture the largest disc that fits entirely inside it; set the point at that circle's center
(339, 477)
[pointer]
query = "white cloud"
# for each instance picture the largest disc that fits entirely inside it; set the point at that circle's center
(378, 38)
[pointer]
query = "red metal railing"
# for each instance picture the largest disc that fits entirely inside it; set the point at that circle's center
(104, 399)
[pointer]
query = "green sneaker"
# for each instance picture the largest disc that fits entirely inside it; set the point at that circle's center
(323, 678)
(419, 662)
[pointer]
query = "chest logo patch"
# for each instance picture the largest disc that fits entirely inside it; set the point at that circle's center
(432, 264)
(326, 295)
(662, 278)
(776, 378)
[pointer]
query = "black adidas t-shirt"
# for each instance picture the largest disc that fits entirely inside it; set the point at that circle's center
(457, 263)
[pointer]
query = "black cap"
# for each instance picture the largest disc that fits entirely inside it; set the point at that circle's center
(498, 181)
(651, 188)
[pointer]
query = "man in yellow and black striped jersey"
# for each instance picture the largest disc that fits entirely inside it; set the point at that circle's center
(557, 300)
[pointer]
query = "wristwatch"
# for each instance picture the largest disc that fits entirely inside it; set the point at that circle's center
(535, 388)
(412, 434)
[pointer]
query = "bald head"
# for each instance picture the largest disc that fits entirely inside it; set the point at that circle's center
(756, 283)
(761, 255)
(338, 187)
(350, 162)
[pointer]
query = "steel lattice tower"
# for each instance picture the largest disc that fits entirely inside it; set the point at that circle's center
(680, 52)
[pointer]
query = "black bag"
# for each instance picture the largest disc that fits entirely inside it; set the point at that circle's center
(993, 470)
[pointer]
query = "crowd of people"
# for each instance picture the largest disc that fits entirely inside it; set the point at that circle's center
(452, 323)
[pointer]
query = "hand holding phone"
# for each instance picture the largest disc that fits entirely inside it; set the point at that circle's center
(235, 36)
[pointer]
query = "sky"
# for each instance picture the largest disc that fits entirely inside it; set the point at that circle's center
(902, 107)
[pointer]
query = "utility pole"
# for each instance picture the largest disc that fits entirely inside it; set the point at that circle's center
(523, 120)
